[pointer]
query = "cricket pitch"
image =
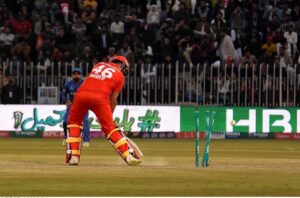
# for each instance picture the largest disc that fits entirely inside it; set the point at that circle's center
(36, 167)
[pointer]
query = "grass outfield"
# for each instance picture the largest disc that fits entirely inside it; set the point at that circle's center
(35, 167)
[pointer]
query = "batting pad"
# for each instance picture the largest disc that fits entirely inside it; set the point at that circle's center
(132, 145)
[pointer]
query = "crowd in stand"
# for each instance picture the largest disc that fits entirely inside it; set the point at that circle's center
(191, 32)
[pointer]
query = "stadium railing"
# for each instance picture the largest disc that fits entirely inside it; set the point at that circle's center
(173, 84)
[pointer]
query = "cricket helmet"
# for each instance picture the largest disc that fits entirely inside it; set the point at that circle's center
(124, 63)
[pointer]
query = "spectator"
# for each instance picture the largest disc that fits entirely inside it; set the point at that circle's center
(4, 14)
(92, 3)
(117, 30)
(273, 25)
(238, 11)
(22, 26)
(203, 27)
(169, 62)
(284, 61)
(47, 33)
(43, 62)
(204, 51)
(47, 46)
(38, 23)
(127, 53)
(111, 54)
(168, 48)
(218, 21)
(292, 39)
(255, 22)
(22, 50)
(222, 8)
(54, 11)
(8, 38)
(123, 11)
(253, 43)
(191, 92)
(175, 5)
(227, 50)
(156, 3)
(63, 40)
(181, 14)
(11, 93)
(236, 39)
(295, 14)
(285, 10)
(239, 24)
(276, 35)
(3, 52)
(102, 40)
(253, 9)
(10, 20)
(270, 11)
(88, 17)
(224, 90)
(286, 23)
(166, 13)
(132, 37)
(81, 45)
(130, 22)
(183, 57)
(202, 9)
(149, 34)
(87, 55)
(65, 8)
(148, 72)
(153, 16)
(24, 11)
(40, 5)
(248, 61)
(269, 49)
(182, 31)
(284, 45)
(297, 27)
(78, 28)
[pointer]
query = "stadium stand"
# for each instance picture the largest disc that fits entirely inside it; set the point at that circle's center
(248, 47)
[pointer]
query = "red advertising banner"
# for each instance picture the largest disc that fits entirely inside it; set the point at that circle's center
(189, 135)
(283, 136)
(296, 136)
(53, 134)
(97, 134)
(4, 134)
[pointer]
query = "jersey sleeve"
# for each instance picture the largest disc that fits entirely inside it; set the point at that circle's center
(65, 93)
(120, 85)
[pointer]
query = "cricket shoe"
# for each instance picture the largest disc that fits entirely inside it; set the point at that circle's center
(86, 144)
(132, 161)
(74, 160)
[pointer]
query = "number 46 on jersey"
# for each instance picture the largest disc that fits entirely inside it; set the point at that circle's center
(102, 72)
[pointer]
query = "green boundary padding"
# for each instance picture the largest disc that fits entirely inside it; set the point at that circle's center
(188, 122)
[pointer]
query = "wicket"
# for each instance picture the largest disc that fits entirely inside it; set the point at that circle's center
(197, 140)
(209, 123)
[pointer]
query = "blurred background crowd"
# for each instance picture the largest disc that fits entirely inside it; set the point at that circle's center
(190, 32)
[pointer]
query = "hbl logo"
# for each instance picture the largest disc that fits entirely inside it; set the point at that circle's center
(264, 120)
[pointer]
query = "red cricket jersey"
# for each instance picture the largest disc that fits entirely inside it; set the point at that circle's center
(104, 79)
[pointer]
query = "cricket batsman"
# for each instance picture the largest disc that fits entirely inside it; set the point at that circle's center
(99, 93)
(69, 90)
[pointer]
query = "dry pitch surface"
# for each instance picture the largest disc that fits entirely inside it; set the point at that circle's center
(35, 167)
